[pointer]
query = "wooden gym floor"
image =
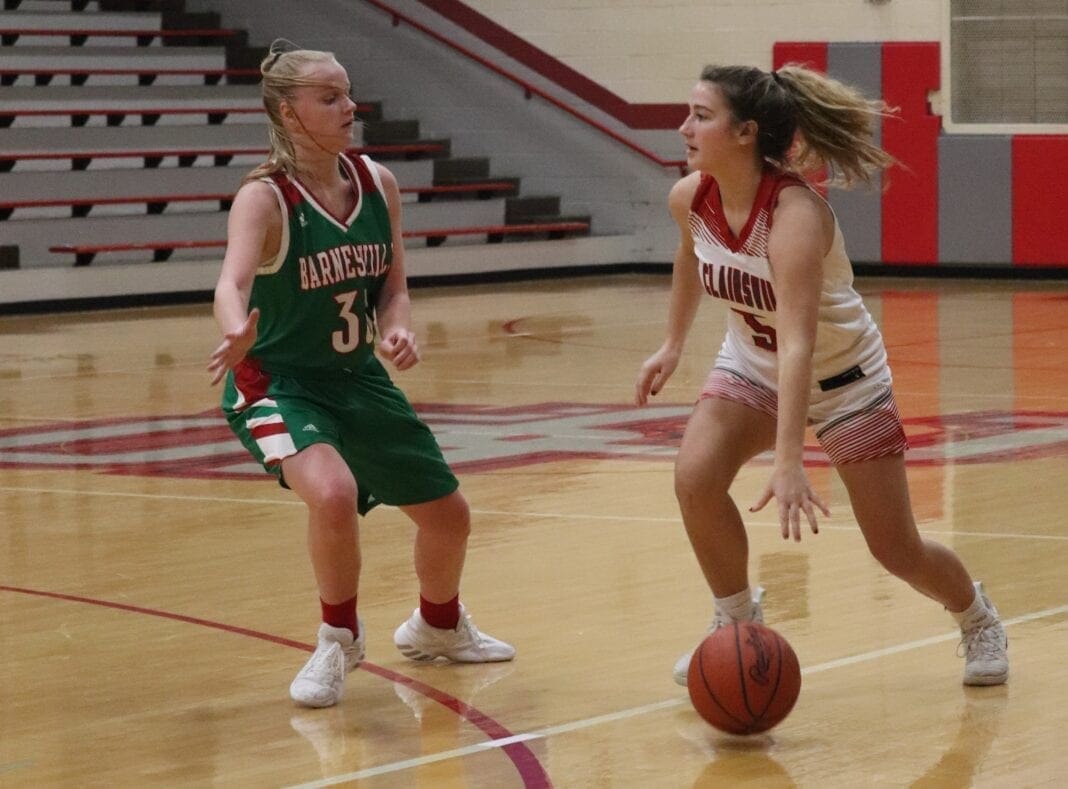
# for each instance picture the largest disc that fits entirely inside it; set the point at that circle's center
(156, 599)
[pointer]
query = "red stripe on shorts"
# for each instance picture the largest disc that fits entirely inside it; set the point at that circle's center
(728, 385)
(272, 429)
(865, 435)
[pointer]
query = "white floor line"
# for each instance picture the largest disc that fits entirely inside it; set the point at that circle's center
(160, 496)
(647, 708)
(829, 526)
(513, 514)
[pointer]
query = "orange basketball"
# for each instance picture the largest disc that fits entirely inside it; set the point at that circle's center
(744, 678)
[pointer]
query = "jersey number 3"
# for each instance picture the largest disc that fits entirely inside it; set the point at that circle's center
(356, 325)
(763, 335)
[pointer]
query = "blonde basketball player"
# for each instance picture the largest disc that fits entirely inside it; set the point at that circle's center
(313, 277)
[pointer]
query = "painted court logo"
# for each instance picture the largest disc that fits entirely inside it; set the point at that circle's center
(483, 438)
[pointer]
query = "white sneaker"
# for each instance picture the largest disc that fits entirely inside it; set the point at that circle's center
(463, 644)
(985, 648)
(322, 680)
(719, 619)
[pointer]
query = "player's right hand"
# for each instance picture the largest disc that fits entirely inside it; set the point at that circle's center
(234, 347)
(654, 374)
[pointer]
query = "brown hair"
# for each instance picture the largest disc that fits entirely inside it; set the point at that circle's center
(282, 72)
(836, 122)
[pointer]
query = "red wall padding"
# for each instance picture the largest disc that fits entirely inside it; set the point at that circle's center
(808, 53)
(1039, 200)
(910, 204)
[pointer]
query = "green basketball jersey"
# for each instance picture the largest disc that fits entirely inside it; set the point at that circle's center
(317, 296)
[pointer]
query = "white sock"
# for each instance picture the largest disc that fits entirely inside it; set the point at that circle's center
(738, 607)
(975, 614)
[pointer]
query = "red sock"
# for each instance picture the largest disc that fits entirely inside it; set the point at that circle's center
(440, 615)
(341, 614)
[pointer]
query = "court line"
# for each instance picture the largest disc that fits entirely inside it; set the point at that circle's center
(160, 496)
(677, 383)
(513, 514)
(633, 712)
(828, 526)
(531, 771)
(507, 742)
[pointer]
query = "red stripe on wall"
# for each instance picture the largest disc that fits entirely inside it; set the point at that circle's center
(635, 116)
(812, 54)
(1039, 197)
(910, 204)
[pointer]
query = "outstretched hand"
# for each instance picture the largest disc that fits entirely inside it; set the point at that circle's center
(400, 348)
(234, 347)
(790, 488)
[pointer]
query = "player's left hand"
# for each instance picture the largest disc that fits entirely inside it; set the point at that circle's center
(791, 489)
(400, 348)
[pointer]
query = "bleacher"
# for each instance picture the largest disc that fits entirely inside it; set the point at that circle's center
(124, 134)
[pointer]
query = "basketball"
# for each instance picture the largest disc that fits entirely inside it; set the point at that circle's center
(744, 678)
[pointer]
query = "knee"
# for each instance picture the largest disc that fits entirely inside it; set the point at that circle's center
(696, 487)
(335, 499)
(459, 518)
(686, 490)
(900, 559)
(449, 516)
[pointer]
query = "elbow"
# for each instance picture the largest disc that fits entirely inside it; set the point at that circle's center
(796, 352)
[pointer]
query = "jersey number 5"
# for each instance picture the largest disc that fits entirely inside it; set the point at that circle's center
(763, 335)
(347, 339)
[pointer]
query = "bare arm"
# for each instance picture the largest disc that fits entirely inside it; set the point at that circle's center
(685, 296)
(253, 235)
(393, 311)
(801, 234)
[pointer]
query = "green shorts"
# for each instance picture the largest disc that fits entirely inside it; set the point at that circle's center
(392, 454)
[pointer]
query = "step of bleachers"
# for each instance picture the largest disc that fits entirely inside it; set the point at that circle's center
(114, 57)
(121, 141)
(139, 203)
(126, 182)
(157, 115)
(35, 236)
(40, 76)
(85, 254)
(51, 18)
(19, 97)
(79, 6)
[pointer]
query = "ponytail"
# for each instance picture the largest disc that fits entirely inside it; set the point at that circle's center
(806, 120)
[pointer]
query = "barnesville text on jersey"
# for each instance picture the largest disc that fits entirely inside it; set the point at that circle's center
(341, 263)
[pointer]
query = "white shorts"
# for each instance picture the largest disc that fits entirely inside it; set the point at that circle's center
(855, 421)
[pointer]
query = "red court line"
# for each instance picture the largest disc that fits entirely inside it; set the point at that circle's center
(526, 762)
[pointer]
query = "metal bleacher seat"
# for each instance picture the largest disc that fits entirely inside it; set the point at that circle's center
(131, 151)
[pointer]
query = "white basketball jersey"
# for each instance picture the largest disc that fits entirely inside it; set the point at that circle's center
(736, 269)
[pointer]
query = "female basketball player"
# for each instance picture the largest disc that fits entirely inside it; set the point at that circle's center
(313, 275)
(800, 348)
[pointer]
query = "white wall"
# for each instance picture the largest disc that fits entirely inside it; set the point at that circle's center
(652, 50)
